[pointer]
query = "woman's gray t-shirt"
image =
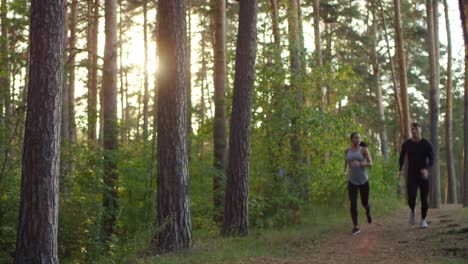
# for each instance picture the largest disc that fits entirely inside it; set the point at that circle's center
(357, 175)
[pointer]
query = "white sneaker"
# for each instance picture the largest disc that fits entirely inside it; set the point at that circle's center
(412, 219)
(423, 223)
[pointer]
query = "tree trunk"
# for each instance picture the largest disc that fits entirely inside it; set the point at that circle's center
(294, 49)
(295, 69)
(202, 97)
(463, 5)
(318, 51)
(5, 70)
(402, 68)
(173, 214)
(219, 132)
(451, 178)
(434, 197)
(123, 121)
(110, 130)
(92, 38)
(127, 104)
(4, 94)
(378, 88)
(71, 71)
(38, 217)
(138, 107)
(189, 80)
(65, 124)
(297, 157)
(235, 221)
(275, 24)
(328, 57)
(300, 28)
(145, 84)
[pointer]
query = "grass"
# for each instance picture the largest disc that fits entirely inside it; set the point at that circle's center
(448, 260)
(452, 235)
(268, 242)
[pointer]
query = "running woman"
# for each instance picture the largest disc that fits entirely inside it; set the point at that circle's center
(420, 159)
(357, 158)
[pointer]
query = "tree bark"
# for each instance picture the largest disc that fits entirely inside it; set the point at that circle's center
(189, 80)
(145, 82)
(173, 214)
(318, 51)
(275, 24)
(402, 70)
(71, 69)
(219, 130)
(300, 28)
(92, 39)
(5, 103)
(294, 49)
(295, 69)
(235, 222)
(434, 197)
(65, 124)
(202, 110)
(451, 179)
(110, 130)
(38, 217)
(463, 5)
(329, 56)
(5, 94)
(123, 120)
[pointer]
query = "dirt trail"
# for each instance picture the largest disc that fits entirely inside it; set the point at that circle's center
(391, 240)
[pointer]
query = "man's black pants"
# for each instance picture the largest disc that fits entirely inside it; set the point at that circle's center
(414, 182)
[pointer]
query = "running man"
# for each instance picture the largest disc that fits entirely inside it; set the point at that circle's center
(420, 159)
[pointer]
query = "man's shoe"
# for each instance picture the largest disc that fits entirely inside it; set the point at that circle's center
(423, 223)
(412, 218)
(356, 231)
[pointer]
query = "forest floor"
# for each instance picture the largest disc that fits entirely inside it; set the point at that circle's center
(390, 239)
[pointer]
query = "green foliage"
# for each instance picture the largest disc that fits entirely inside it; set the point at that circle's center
(10, 182)
(201, 198)
(81, 204)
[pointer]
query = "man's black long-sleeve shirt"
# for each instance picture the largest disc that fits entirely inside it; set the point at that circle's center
(420, 155)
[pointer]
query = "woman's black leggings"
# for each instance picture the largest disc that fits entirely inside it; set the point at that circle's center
(414, 182)
(353, 193)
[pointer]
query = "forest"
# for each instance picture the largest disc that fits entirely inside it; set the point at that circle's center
(143, 127)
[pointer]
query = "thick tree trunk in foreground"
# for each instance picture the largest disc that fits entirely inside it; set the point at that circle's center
(38, 220)
(173, 214)
(235, 222)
